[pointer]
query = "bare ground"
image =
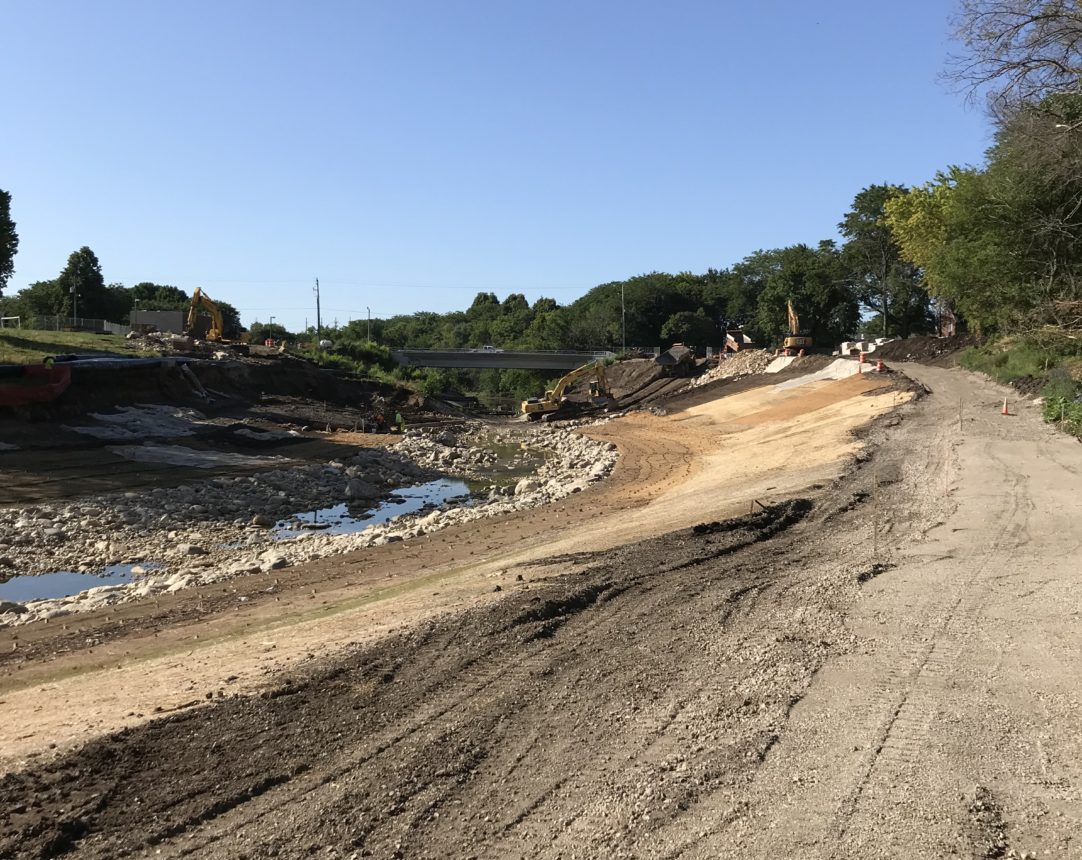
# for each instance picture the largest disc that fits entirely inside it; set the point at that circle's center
(879, 663)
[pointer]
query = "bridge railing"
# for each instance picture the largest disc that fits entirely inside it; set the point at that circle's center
(597, 353)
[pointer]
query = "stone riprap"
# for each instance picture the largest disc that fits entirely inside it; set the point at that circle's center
(223, 527)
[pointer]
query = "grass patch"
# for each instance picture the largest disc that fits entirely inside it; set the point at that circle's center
(1006, 362)
(1054, 363)
(1063, 402)
(27, 346)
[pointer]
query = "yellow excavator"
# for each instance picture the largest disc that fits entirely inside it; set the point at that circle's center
(555, 405)
(196, 324)
(796, 339)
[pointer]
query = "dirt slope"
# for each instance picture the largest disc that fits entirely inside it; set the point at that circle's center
(768, 687)
(66, 682)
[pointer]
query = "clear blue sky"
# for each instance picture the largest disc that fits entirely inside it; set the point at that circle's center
(410, 154)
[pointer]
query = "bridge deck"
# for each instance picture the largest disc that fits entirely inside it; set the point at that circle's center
(507, 359)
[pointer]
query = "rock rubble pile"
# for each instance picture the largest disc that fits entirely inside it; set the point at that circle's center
(223, 527)
(742, 363)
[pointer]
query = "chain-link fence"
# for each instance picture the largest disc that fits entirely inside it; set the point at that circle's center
(59, 323)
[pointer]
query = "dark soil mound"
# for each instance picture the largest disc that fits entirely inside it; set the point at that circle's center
(922, 348)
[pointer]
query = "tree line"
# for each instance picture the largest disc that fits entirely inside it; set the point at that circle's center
(81, 288)
(838, 290)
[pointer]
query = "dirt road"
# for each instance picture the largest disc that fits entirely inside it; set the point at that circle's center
(954, 728)
(884, 669)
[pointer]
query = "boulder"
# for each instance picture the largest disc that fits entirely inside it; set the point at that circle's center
(272, 560)
(265, 521)
(360, 489)
(526, 485)
(12, 606)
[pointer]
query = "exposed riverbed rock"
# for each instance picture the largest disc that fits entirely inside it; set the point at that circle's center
(224, 526)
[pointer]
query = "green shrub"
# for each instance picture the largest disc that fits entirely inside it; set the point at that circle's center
(1063, 402)
(1008, 362)
(335, 361)
(367, 353)
(1065, 413)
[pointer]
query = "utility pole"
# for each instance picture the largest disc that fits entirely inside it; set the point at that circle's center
(623, 320)
(75, 305)
(319, 322)
(369, 311)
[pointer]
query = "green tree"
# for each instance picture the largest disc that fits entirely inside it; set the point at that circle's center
(691, 329)
(9, 240)
(261, 331)
(82, 287)
(116, 303)
(883, 280)
(231, 324)
(814, 280)
(1003, 244)
(43, 298)
(947, 228)
(160, 297)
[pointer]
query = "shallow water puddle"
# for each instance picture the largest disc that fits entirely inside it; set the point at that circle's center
(338, 520)
(64, 583)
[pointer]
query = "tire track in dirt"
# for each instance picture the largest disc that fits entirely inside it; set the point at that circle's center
(938, 696)
(626, 714)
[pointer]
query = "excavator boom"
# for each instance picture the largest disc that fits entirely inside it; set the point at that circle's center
(540, 407)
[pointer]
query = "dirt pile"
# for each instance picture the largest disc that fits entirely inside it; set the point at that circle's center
(640, 381)
(921, 348)
(731, 365)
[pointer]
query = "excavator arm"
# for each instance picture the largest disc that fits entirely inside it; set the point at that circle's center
(201, 303)
(592, 369)
(536, 407)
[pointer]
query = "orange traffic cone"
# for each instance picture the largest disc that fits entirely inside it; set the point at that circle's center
(1005, 410)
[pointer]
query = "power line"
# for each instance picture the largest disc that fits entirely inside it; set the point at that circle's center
(371, 285)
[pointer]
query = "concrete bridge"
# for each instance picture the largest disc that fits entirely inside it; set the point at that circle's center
(499, 358)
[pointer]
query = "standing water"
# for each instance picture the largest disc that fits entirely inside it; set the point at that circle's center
(64, 583)
(338, 520)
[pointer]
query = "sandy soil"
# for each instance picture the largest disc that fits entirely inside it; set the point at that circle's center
(884, 670)
(114, 669)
